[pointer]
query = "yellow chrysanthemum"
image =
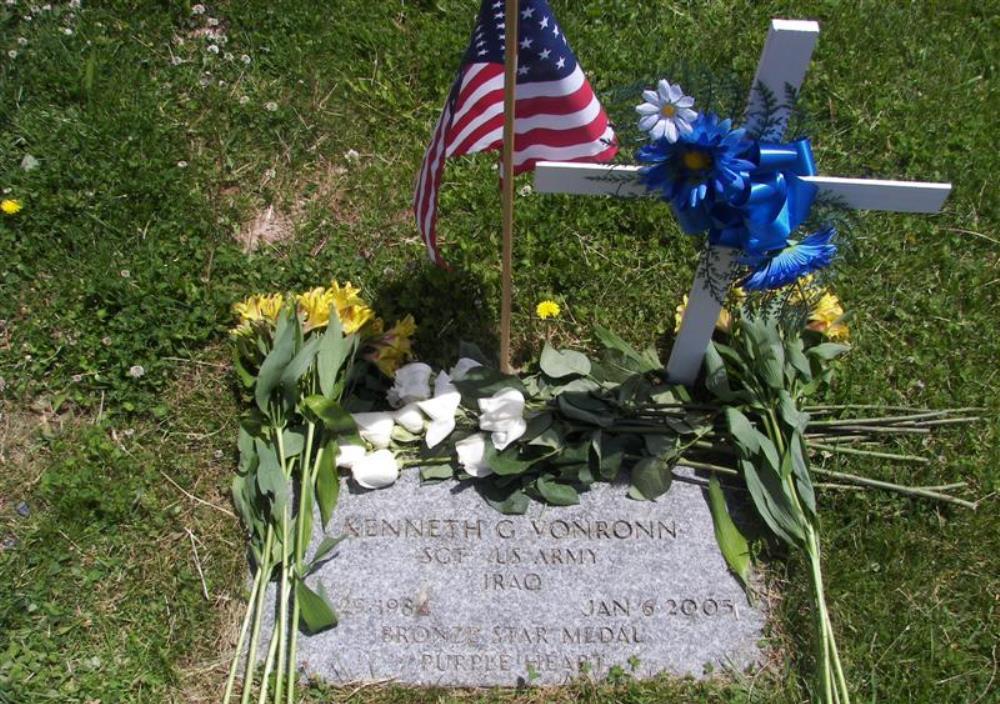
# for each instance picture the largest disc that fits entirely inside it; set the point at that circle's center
(826, 318)
(10, 206)
(257, 308)
(395, 346)
(547, 309)
(314, 307)
(351, 309)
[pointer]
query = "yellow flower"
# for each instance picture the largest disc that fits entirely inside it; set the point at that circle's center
(314, 307)
(826, 318)
(351, 309)
(257, 308)
(10, 206)
(394, 347)
(547, 309)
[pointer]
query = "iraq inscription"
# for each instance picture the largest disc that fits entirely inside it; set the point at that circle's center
(433, 586)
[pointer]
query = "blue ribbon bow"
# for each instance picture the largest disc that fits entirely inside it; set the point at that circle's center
(773, 202)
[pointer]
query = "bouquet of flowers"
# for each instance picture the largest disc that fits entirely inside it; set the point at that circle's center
(298, 357)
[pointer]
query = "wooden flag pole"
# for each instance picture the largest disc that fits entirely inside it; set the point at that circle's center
(507, 180)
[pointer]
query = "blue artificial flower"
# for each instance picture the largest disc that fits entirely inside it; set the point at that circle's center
(701, 165)
(814, 252)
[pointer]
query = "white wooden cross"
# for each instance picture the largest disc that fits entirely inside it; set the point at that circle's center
(783, 65)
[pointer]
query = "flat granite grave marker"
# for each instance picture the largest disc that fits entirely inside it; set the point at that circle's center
(433, 586)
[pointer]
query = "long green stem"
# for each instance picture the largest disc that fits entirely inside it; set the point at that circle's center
(282, 620)
(244, 629)
(869, 453)
(305, 492)
(922, 492)
(268, 665)
(265, 570)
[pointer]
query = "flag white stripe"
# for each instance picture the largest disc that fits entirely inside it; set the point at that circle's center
(541, 151)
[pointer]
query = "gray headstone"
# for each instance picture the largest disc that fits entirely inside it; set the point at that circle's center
(435, 587)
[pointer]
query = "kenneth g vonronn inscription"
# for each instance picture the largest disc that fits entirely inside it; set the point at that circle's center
(433, 586)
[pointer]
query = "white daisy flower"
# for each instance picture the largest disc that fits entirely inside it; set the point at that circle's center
(667, 112)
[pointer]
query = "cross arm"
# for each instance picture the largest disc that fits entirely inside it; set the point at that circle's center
(854, 193)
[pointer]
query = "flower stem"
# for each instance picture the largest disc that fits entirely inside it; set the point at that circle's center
(868, 453)
(922, 492)
(268, 665)
(305, 492)
(265, 571)
(244, 629)
(282, 620)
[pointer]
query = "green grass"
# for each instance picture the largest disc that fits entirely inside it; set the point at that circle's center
(124, 256)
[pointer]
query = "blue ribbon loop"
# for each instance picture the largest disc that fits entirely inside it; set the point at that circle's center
(773, 201)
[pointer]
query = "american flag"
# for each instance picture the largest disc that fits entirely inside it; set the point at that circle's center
(557, 115)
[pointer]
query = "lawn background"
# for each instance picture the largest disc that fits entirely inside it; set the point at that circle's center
(150, 158)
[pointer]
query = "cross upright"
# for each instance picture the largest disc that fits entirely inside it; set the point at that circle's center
(782, 66)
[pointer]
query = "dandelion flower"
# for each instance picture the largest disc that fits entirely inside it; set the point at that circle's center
(547, 309)
(11, 206)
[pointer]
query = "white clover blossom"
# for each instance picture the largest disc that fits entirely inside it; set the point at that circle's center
(271, 106)
(213, 49)
(137, 371)
(412, 383)
(376, 428)
(245, 58)
(471, 451)
(377, 470)
(667, 112)
(503, 415)
(198, 9)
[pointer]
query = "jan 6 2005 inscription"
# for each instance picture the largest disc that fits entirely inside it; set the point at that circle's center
(433, 586)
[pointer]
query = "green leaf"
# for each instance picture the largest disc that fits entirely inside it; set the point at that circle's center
(771, 364)
(436, 472)
(641, 363)
(293, 442)
(794, 418)
(742, 430)
(827, 351)
(731, 542)
(334, 350)
(506, 463)
(316, 614)
(326, 546)
(557, 494)
(651, 478)
(716, 378)
(246, 378)
(241, 501)
(549, 438)
(270, 478)
(572, 406)
(512, 502)
(606, 456)
(269, 376)
(335, 420)
(795, 357)
(800, 468)
(480, 382)
(297, 368)
(558, 364)
(327, 482)
(772, 503)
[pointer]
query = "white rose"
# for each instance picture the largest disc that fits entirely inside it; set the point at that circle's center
(347, 455)
(410, 417)
(441, 410)
(376, 428)
(503, 415)
(462, 368)
(412, 384)
(470, 454)
(376, 470)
